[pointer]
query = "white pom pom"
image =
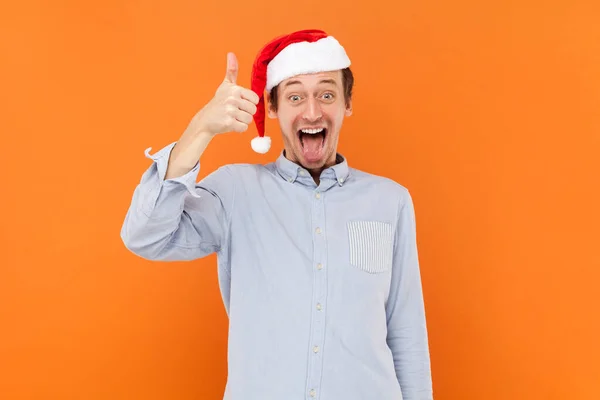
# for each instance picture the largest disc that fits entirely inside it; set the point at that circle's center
(261, 144)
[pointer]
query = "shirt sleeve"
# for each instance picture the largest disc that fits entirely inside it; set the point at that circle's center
(178, 219)
(407, 328)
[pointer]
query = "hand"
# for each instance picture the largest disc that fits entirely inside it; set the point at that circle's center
(230, 110)
(232, 107)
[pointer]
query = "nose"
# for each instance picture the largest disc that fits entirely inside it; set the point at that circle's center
(312, 112)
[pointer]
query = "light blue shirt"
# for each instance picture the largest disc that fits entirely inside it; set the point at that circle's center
(321, 284)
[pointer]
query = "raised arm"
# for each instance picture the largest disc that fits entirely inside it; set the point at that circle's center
(171, 217)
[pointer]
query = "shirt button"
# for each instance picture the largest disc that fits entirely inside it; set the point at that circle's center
(318, 230)
(312, 393)
(290, 179)
(316, 349)
(302, 172)
(318, 195)
(319, 266)
(319, 307)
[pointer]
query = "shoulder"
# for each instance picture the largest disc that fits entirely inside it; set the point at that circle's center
(380, 185)
(388, 194)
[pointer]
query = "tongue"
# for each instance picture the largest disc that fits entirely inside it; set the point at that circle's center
(312, 145)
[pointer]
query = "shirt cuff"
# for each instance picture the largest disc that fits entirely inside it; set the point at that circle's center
(161, 158)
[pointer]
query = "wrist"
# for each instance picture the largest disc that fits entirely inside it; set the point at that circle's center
(197, 128)
(187, 152)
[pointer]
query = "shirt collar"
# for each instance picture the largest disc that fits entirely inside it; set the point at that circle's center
(291, 171)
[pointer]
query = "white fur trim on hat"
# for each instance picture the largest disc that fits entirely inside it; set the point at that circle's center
(305, 58)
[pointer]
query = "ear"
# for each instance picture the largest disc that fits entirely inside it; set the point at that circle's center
(271, 113)
(348, 111)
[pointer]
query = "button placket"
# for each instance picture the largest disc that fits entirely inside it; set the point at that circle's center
(319, 293)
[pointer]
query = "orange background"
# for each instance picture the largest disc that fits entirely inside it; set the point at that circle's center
(488, 113)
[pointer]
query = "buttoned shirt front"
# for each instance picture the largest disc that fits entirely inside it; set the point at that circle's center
(320, 282)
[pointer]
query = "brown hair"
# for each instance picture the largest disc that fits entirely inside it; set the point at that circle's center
(347, 82)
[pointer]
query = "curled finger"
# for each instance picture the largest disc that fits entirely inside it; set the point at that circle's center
(247, 106)
(243, 116)
(238, 126)
(249, 95)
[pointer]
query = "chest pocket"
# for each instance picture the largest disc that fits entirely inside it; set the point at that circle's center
(370, 245)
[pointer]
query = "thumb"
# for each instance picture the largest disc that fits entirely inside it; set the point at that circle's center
(232, 68)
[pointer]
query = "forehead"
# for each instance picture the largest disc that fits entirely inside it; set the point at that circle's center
(308, 80)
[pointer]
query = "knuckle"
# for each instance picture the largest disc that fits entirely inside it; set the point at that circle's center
(230, 109)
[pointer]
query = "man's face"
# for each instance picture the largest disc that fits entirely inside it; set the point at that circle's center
(311, 109)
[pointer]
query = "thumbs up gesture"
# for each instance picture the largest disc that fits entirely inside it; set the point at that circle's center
(232, 107)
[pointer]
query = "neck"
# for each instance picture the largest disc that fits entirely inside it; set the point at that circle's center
(316, 172)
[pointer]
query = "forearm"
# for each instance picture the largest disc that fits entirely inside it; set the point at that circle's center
(410, 350)
(188, 151)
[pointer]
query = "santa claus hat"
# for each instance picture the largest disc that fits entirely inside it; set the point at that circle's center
(302, 52)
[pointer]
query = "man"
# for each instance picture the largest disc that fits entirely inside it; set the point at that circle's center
(317, 261)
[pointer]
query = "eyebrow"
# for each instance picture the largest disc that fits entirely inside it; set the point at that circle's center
(331, 81)
(296, 82)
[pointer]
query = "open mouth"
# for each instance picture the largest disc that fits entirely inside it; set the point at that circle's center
(312, 139)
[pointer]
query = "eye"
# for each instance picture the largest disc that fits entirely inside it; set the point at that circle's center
(328, 96)
(294, 98)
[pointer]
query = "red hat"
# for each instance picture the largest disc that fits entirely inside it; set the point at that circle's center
(301, 52)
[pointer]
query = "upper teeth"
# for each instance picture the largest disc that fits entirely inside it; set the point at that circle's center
(312, 131)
